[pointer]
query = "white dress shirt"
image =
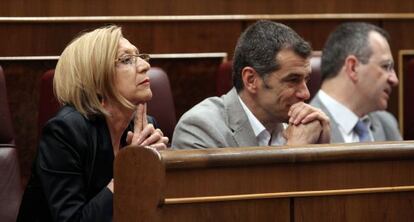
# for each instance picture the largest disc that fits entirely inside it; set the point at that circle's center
(262, 134)
(344, 117)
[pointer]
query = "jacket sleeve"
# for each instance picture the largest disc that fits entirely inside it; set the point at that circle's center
(196, 131)
(390, 126)
(61, 167)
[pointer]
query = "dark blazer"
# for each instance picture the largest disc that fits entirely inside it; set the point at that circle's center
(73, 166)
(384, 126)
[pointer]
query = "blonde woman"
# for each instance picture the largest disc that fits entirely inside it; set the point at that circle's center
(102, 83)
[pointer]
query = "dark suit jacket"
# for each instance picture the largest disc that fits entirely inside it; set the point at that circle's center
(384, 127)
(73, 166)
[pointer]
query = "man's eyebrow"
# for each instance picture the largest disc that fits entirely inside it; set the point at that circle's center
(388, 61)
(294, 75)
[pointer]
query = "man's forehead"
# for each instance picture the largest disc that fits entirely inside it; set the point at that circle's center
(292, 61)
(302, 68)
(379, 46)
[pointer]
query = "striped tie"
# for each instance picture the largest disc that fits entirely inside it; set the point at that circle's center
(362, 130)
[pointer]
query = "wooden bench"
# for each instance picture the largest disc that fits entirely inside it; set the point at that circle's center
(343, 182)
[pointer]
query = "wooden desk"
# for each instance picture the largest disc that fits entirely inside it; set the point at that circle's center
(344, 182)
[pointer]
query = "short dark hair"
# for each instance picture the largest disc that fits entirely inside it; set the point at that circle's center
(348, 39)
(259, 45)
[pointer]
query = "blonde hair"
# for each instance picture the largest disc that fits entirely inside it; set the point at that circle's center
(85, 71)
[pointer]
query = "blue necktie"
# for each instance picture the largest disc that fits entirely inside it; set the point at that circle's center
(362, 130)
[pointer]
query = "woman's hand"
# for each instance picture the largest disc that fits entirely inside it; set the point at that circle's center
(145, 134)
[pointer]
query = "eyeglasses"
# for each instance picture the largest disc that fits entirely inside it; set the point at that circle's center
(131, 59)
(388, 67)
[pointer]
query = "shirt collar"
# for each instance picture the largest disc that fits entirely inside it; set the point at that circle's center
(344, 117)
(261, 133)
(257, 126)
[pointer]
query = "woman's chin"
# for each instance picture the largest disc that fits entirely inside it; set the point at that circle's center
(147, 97)
(143, 98)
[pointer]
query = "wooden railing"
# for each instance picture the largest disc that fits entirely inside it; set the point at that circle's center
(343, 182)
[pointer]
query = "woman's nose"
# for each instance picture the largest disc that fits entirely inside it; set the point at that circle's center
(142, 65)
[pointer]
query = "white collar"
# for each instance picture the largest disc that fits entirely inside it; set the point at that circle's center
(261, 133)
(344, 117)
(254, 122)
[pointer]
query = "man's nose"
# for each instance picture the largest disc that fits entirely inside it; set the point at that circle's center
(393, 79)
(303, 92)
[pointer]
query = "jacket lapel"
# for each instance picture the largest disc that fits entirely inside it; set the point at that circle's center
(237, 120)
(376, 129)
(336, 136)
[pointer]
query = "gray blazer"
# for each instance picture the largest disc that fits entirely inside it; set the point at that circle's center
(384, 126)
(215, 122)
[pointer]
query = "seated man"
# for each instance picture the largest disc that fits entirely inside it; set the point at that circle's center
(357, 77)
(271, 67)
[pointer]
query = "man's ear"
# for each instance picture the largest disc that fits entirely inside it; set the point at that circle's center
(351, 67)
(250, 79)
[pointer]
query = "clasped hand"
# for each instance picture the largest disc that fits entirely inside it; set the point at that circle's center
(307, 125)
(146, 134)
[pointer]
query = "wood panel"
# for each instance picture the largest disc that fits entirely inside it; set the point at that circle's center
(23, 81)
(357, 208)
(254, 210)
(50, 38)
(406, 107)
(22, 84)
(171, 34)
(191, 7)
(341, 182)
(401, 39)
(304, 177)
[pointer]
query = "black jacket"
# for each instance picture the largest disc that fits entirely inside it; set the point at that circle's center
(73, 166)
